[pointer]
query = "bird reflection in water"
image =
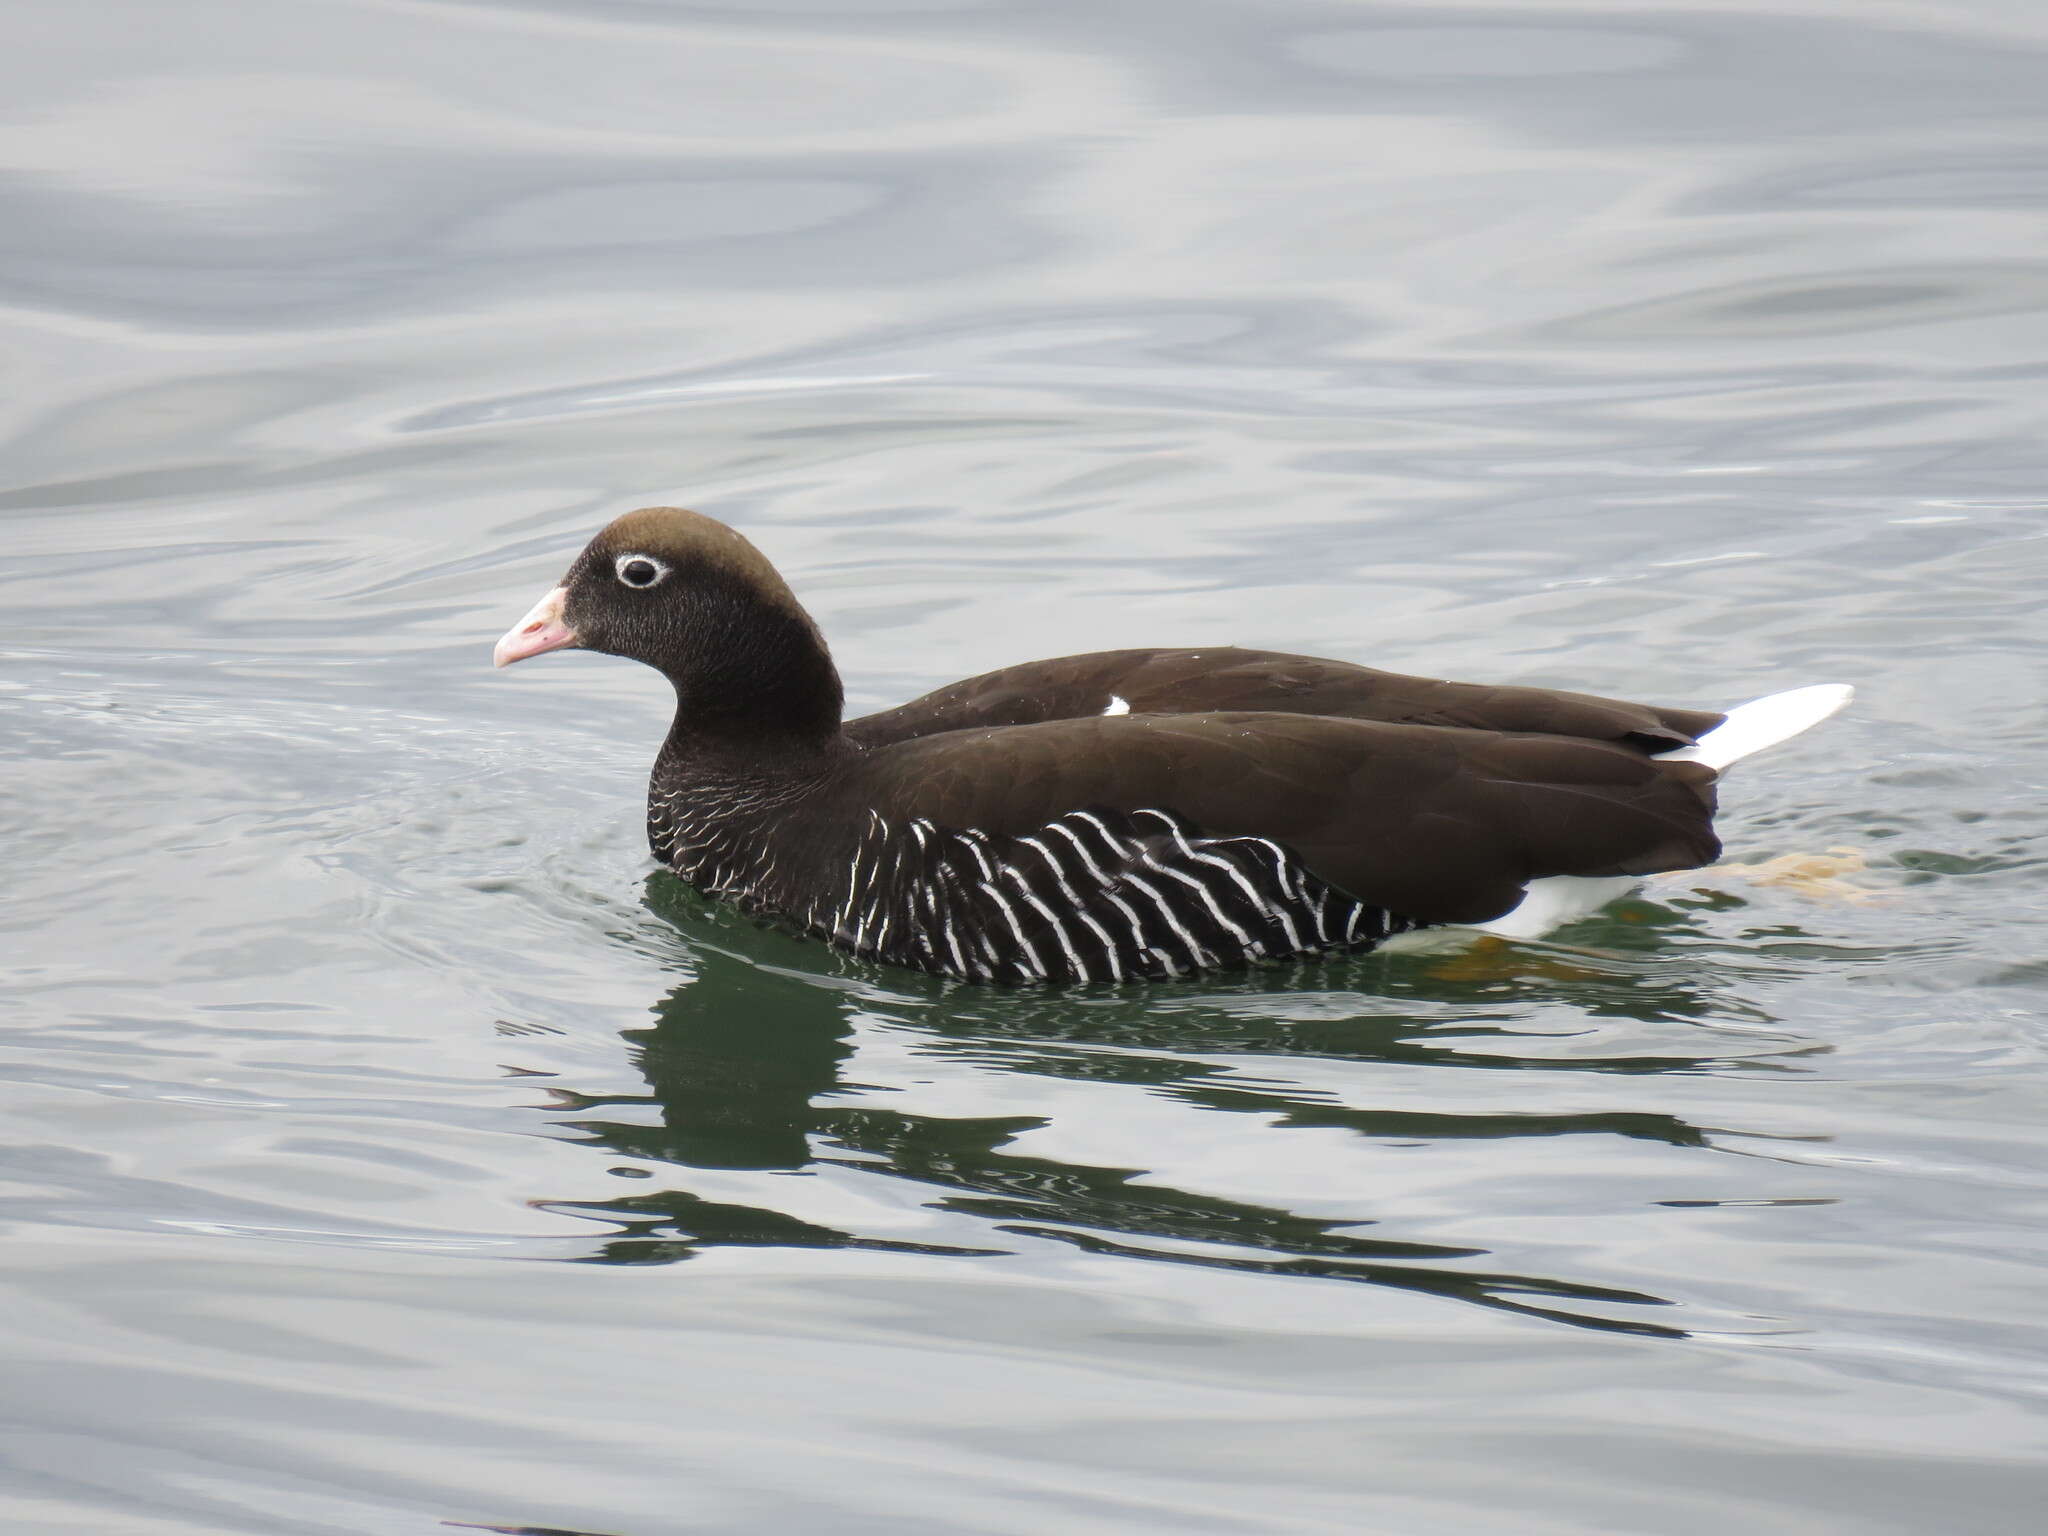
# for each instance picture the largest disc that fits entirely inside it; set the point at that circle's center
(744, 1069)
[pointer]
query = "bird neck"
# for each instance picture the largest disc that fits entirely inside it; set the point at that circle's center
(756, 740)
(754, 676)
(755, 692)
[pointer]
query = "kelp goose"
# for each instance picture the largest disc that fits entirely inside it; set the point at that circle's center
(1128, 814)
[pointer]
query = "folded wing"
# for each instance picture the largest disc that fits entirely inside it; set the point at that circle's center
(1432, 823)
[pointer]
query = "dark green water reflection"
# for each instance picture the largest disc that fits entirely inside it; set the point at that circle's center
(1679, 351)
(744, 1066)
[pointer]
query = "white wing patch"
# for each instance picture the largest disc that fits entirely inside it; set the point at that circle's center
(1117, 706)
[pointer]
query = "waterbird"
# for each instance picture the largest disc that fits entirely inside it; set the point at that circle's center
(1130, 814)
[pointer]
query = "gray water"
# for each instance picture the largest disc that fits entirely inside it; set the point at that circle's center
(383, 1147)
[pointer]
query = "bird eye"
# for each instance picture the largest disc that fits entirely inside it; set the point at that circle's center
(639, 570)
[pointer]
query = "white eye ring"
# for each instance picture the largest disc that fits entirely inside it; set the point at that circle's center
(641, 571)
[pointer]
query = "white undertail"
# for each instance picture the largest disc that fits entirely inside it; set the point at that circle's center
(1559, 899)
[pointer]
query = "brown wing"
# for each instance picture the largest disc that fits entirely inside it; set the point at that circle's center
(1179, 682)
(1436, 824)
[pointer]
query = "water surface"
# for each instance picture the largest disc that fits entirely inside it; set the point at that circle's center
(384, 1146)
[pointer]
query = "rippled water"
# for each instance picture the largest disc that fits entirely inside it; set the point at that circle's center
(364, 1094)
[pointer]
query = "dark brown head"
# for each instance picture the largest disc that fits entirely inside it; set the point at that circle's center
(694, 600)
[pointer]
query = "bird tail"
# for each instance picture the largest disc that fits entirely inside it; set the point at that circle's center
(1558, 899)
(1763, 723)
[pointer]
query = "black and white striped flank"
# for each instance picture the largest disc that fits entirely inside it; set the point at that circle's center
(1090, 897)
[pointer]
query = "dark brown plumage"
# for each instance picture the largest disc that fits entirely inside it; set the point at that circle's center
(1188, 682)
(1248, 804)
